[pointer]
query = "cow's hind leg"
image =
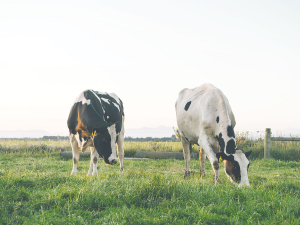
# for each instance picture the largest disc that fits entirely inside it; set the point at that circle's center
(202, 157)
(75, 153)
(120, 144)
(93, 164)
(187, 156)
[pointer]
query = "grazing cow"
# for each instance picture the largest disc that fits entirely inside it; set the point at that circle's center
(205, 118)
(97, 120)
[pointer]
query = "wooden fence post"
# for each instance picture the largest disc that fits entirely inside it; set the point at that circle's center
(267, 143)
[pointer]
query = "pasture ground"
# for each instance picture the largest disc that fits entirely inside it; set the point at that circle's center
(36, 188)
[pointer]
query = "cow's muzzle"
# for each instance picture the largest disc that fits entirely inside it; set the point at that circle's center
(113, 161)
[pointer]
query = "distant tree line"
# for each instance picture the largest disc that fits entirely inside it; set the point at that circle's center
(164, 139)
(55, 138)
(61, 138)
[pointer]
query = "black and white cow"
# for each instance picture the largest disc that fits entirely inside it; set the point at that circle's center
(97, 120)
(205, 118)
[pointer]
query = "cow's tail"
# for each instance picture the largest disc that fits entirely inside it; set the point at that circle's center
(177, 133)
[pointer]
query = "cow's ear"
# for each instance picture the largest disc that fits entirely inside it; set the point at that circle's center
(248, 153)
(98, 130)
(102, 128)
(222, 156)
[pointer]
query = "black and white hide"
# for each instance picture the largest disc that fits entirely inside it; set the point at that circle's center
(97, 120)
(205, 118)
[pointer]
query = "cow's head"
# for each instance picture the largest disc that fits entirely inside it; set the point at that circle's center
(104, 138)
(236, 166)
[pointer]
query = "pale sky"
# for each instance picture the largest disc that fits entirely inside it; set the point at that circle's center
(146, 52)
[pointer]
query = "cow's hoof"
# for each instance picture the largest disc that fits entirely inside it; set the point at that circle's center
(218, 180)
(187, 174)
(122, 169)
(202, 174)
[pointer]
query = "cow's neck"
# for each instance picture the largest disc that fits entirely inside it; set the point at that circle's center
(226, 136)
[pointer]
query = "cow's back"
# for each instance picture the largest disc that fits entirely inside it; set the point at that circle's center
(93, 109)
(199, 109)
(113, 109)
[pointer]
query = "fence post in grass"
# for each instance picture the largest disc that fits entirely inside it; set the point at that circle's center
(267, 143)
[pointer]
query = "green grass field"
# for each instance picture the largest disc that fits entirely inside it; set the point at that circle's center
(36, 188)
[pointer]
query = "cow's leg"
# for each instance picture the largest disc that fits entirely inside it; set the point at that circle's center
(75, 153)
(187, 156)
(86, 144)
(203, 142)
(93, 164)
(202, 157)
(120, 148)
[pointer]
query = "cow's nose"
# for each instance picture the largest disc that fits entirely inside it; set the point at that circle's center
(114, 161)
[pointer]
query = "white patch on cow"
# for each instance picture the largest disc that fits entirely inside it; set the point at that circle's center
(241, 158)
(105, 100)
(115, 97)
(100, 93)
(83, 144)
(82, 99)
(113, 137)
(78, 139)
(75, 153)
(93, 163)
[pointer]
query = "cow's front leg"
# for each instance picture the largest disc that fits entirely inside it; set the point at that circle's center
(75, 153)
(202, 157)
(187, 156)
(211, 156)
(86, 144)
(93, 164)
(121, 152)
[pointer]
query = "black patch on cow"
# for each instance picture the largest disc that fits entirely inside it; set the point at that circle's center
(236, 171)
(95, 159)
(186, 107)
(111, 107)
(102, 143)
(230, 131)
(217, 119)
(230, 147)
(221, 142)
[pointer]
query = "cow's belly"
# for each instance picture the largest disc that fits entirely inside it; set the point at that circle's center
(189, 129)
(192, 128)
